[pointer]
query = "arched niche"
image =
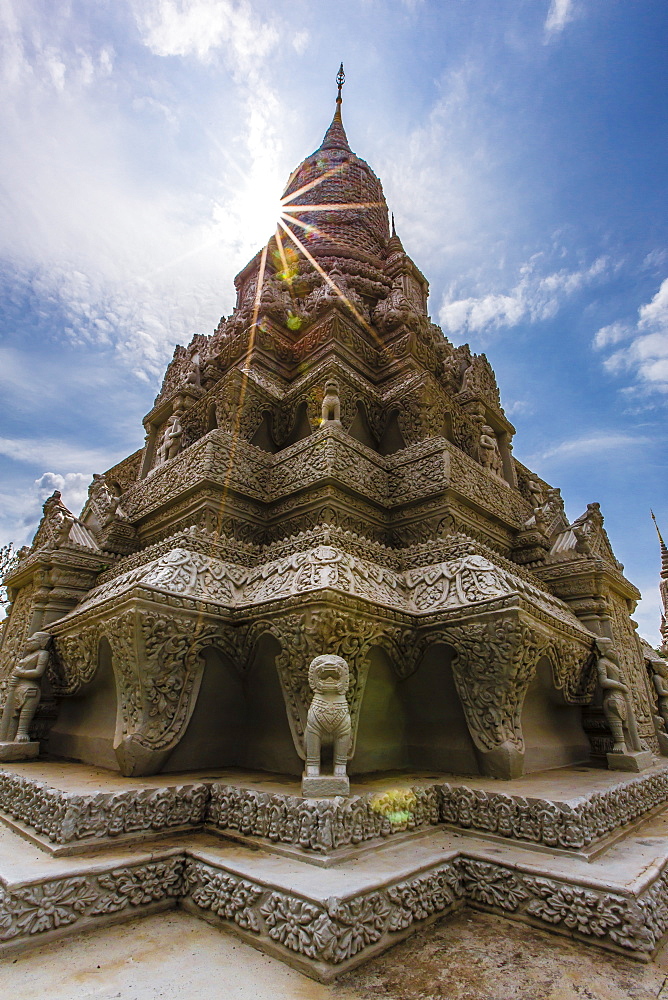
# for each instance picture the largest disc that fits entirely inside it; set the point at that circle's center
(86, 723)
(381, 741)
(392, 439)
(447, 429)
(267, 743)
(301, 427)
(211, 418)
(215, 734)
(360, 429)
(552, 729)
(262, 438)
(437, 735)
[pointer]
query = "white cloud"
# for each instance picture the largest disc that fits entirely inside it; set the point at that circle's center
(534, 297)
(61, 454)
(73, 486)
(645, 356)
(440, 176)
(518, 406)
(201, 27)
(592, 446)
(611, 334)
(558, 16)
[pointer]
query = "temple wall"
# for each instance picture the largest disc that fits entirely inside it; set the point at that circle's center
(633, 665)
(217, 729)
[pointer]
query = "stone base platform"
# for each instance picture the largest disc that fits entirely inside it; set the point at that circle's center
(325, 921)
(372, 892)
(19, 751)
(71, 808)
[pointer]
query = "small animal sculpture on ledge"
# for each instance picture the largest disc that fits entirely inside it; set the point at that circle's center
(328, 722)
(331, 404)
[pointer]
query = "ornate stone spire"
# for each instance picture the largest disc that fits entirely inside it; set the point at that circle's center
(664, 550)
(663, 588)
(394, 246)
(357, 225)
(335, 136)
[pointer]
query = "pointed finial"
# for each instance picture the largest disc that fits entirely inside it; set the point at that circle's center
(394, 232)
(656, 526)
(664, 550)
(340, 79)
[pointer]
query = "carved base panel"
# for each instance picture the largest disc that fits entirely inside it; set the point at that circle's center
(638, 761)
(324, 786)
(157, 646)
(505, 761)
(575, 811)
(19, 751)
(324, 924)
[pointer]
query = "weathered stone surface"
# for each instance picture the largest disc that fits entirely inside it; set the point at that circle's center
(639, 760)
(19, 751)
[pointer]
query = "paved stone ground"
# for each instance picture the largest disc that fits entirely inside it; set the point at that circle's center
(474, 956)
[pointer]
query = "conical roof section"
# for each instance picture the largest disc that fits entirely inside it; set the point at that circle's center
(335, 136)
(395, 247)
(356, 225)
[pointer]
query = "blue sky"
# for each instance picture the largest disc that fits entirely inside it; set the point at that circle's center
(522, 148)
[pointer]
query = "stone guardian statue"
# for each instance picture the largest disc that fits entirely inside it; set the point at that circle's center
(328, 723)
(628, 752)
(23, 696)
(490, 456)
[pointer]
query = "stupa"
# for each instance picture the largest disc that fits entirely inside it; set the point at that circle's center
(325, 565)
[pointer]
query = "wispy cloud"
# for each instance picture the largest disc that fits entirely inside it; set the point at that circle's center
(558, 16)
(592, 446)
(645, 354)
(534, 297)
(135, 259)
(202, 27)
(57, 454)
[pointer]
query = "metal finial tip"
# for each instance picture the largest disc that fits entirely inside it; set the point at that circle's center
(340, 79)
(394, 232)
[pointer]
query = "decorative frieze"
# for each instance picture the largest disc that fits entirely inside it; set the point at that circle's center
(330, 934)
(322, 826)
(68, 818)
(36, 908)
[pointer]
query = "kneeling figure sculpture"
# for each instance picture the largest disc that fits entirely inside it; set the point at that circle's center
(328, 722)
